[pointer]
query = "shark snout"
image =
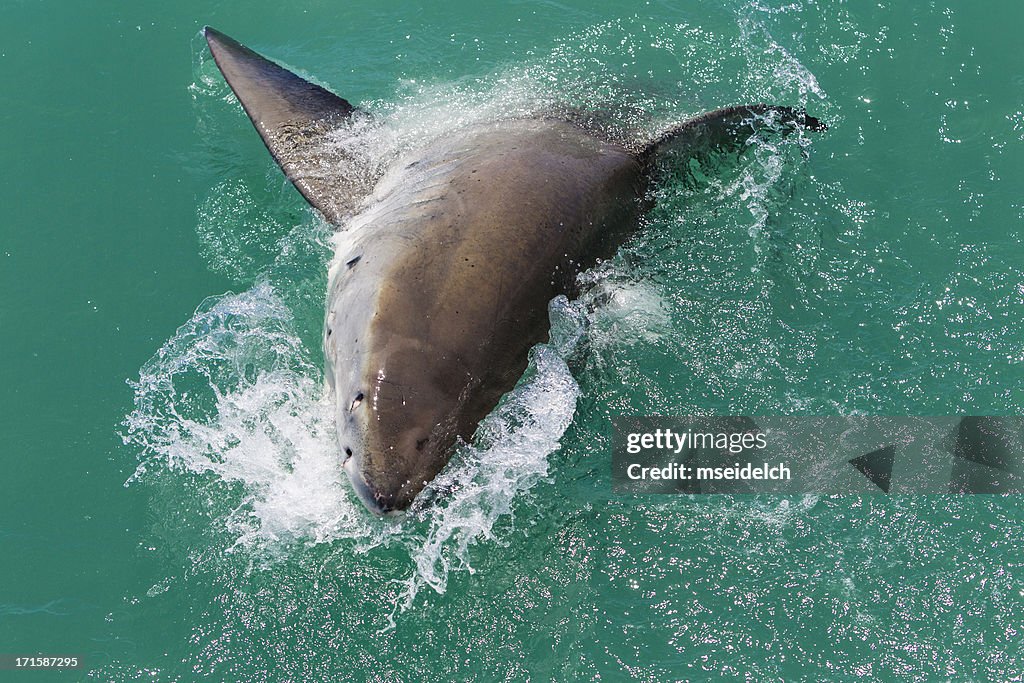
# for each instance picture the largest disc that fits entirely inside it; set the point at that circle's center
(388, 471)
(380, 502)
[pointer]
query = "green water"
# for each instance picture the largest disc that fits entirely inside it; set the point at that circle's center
(876, 268)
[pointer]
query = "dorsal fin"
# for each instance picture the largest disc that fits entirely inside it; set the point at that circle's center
(293, 116)
(725, 127)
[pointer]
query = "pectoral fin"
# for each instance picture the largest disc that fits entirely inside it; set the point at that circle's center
(294, 117)
(724, 128)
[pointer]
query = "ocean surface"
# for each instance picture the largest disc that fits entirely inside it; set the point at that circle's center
(171, 502)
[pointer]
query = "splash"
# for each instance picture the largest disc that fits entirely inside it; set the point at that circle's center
(233, 396)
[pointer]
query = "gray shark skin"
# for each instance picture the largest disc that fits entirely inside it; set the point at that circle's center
(443, 272)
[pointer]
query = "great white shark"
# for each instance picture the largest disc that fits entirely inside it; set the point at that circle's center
(444, 269)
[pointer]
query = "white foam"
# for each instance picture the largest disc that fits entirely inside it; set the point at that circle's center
(234, 395)
(619, 308)
(518, 438)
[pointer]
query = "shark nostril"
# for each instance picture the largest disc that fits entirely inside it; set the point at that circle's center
(356, 401)
(348, 454)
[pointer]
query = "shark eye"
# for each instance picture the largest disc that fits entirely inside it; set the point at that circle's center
(356, 401)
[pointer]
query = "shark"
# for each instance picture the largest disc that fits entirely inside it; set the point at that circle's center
(445, 265)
